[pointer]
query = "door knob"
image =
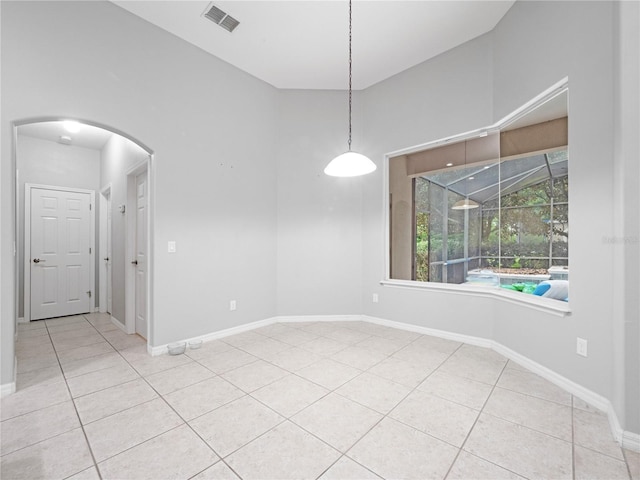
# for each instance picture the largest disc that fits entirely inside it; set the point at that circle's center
(106, 259)
(135, 262)
(37, 260)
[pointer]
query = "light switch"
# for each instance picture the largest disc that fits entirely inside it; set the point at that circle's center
(581, 348)
(172, 247)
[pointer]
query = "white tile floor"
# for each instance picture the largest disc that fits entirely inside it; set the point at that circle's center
(329, 400)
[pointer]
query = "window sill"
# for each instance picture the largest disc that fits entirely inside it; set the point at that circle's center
(547, 305)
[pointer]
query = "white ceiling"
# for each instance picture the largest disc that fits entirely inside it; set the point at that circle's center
(304, 44)
(87, 136)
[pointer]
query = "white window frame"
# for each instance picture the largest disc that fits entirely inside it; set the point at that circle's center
(538, 303)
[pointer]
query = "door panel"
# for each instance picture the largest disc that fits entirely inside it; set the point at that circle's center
(60, 225)
(74, 283)
(49, 237)
(49, 285)
(141, 255)
(108, 258)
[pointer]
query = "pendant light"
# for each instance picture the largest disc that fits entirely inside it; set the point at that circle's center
(467, 203)
(350, 164)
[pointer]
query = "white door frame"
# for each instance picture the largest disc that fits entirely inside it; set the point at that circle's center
(105, 206)
(130, 248)
(27, 242)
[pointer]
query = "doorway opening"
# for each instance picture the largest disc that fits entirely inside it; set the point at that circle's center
(106, 277)
(83, 264)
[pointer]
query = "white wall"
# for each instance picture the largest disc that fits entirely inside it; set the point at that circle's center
(627, 213)
(448, 95)
(211, 127)
(44, 162)
(117, 157)
(319, 217)
(534, 46)
(569, 48)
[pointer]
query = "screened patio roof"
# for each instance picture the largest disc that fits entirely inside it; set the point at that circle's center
(483, 183)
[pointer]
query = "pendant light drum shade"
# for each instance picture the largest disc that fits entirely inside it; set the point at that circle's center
(350, 164)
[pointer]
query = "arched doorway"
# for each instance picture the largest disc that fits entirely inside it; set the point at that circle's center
(110, 169)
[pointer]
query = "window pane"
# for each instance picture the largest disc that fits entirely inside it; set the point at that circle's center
(435, 273)
(524, 233)
(497, 201)
(475, 234)
(560, 247)
(561, 189)
(436, 222)
(455, 231)
(490, 225)
(422, 230)
(455, 273)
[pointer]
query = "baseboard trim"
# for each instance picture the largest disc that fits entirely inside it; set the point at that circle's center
(631, 441)
(22, 320)
(626, 439)
(9, 388)
(317, 318)
(162, 349)
(457, 337)
(117, 323)
(570, 386)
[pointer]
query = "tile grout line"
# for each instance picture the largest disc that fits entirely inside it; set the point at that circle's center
(344, 455)
(185, 422)
(530, 428)
(285, 418)
(495, 385)
(328, 356)
(533, 396)
(289, 419)
(475, 423)
(573, 440)
(249, 394)
(100, 390)
(626, 461)
(611, 457)
(86, 438)
(334, 390)
(385, 416)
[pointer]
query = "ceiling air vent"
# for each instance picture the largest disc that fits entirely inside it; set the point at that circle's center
(221, 18)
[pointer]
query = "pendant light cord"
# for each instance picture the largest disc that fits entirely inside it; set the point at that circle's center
(349, 75)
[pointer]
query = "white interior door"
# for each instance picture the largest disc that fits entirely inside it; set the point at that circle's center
(140, 261)
(108, 257)
(60, 243)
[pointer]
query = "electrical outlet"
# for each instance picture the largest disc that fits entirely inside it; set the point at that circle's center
(375, 298)
(581, 347)
(232, 305)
